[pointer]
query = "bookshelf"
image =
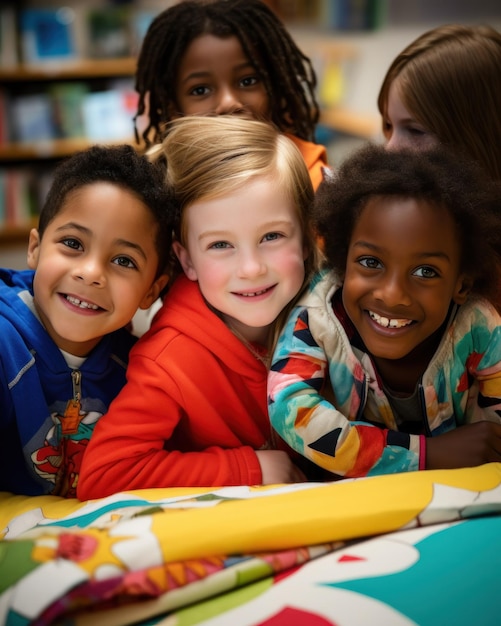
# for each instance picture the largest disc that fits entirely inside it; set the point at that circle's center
(40, 155)
(28, 156)
(34, 136)
(85, 68)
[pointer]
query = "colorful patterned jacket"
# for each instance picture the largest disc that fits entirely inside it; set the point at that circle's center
(326, 401)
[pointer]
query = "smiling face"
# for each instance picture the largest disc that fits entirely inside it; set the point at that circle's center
(215, 77)
(95, 265)
(246, 252)
(402, 272)
(401, 129)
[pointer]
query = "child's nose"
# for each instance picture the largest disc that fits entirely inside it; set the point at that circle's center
(228, 102)
(90, 271)
(397, 142)
(251, 265)
(393, 292)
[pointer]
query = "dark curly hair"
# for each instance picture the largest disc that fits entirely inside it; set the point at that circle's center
(124, 167)
(436, 176)
(287, 74)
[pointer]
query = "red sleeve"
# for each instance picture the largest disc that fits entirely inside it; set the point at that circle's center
(146, 441)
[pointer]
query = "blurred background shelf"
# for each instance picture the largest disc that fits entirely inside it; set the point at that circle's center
(69, 70)
(67, 79)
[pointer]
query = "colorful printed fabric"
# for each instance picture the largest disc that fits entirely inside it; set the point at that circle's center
(134, 555)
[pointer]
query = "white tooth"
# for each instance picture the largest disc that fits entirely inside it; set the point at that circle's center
(81, 303)
(387, 322)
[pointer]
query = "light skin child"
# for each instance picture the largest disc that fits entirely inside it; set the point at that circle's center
(243, 250)
(445, 87)
(249, 266)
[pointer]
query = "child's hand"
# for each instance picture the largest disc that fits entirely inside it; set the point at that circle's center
(277, 467)
(466, 446)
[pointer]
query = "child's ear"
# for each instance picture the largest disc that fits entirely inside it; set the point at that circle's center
(154, 292)
(33, 249)
(185, 259)
(463, 287)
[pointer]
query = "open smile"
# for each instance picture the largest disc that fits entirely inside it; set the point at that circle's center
(389, 322)
(254, 294)
(81, 304)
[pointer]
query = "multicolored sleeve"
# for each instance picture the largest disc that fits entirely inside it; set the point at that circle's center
(301, 414)
(479, 351)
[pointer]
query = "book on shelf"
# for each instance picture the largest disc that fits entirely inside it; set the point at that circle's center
(8, 38)
(109, 32)
(355, 15)
(5, 135)
(47, 35)
(69, 110)
(32, 118)
(108, 114)
(342, 15)
(140, 22)
(67, 104)
(17, 200)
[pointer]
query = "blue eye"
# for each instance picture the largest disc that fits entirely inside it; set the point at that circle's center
(272, 236)
(219, 245)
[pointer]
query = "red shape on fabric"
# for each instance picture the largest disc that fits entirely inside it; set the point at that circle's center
(289, 616)
(348, 557)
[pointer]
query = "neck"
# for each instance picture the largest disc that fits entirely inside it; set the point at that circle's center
(402, 375)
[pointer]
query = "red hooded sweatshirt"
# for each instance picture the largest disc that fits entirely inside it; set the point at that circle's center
(192, 412)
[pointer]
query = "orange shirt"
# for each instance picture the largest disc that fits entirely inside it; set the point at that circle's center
(315, 157)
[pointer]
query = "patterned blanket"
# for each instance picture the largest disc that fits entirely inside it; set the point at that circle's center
(419, 548)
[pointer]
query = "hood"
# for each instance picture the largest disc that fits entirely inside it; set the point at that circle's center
(185, 311)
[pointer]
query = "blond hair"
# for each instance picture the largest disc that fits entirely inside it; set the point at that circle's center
(209, 157)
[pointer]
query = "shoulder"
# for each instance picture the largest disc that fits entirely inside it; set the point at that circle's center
(312, 152)
(14, 281)
(313, 316)
(320, 290)
(477, 313)
(476, 330)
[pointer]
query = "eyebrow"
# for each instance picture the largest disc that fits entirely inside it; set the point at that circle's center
(206, 73)
(269, 226)
(424, 255)
(87, 231)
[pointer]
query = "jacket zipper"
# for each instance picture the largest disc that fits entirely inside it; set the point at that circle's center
(71, 418)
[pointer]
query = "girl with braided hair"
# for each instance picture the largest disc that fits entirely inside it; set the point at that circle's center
(222, 57)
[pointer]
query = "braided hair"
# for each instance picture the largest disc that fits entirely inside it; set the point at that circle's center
(287, 74)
